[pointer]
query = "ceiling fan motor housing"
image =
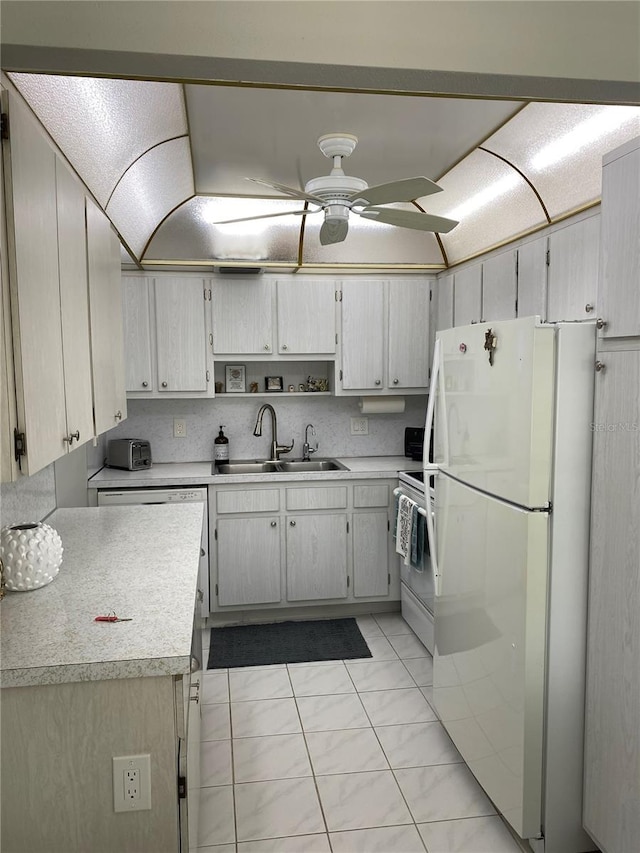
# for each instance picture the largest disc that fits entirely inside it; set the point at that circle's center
(336, 192)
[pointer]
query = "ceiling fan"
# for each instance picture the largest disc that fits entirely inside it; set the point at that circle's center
(338, 194)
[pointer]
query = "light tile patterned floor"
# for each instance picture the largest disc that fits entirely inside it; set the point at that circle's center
(338, 757)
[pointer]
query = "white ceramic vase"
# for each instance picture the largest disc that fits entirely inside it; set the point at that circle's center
(32, 555)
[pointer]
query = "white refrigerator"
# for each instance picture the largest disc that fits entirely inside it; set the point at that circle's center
(512, 455)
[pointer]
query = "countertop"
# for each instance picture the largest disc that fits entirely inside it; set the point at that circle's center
(139, 561)
(199, 473)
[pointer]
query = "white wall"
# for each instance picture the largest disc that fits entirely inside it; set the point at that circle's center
(153, 420)
(559, 39)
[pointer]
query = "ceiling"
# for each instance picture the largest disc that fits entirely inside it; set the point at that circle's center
(166, 161)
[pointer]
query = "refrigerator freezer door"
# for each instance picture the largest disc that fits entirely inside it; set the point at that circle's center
(495, 408)
(490, 642)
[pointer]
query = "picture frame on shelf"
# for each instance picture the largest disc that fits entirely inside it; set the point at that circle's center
(235, 378)
(273, 383)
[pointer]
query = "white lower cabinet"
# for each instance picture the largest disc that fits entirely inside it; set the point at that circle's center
(248, 557)
(292, 543)
(316, 557)
(371, 553)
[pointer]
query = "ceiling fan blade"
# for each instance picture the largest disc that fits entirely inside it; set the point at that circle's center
(409, 219)
(264, 216)
(407, 190)
(290, 191)
(333, 232)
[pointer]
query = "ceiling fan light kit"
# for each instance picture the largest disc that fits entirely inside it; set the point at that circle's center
(338, 194)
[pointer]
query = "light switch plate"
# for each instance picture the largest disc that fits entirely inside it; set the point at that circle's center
(359, 426)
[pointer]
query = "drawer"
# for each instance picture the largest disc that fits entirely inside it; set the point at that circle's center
(331, 497)
(248, 500)
(365, 496)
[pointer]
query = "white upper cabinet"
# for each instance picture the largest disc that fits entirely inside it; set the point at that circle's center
(167, 325)
(467, 301)
(532, 279)
(74, 306)
(443, 299)
(408, 327)
(242, 316)
(306, 311)
(362, 338)
(619, 290)
(574, 254)
(105, 307)
(385, 335)
(181, 334)
(499, 287)
(137, 333)
(47, 254)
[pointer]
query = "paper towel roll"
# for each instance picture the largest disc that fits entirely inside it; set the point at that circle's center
(381, 405)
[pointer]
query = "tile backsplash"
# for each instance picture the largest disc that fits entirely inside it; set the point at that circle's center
(153, 420)
(29, 498)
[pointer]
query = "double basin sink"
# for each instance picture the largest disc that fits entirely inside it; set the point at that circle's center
(283, 466)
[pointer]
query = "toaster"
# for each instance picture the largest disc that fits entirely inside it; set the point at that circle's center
(128, 453)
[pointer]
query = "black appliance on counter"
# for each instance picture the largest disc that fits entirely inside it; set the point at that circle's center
(414, 443)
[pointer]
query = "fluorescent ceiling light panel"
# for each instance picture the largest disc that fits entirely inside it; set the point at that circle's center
(484, 197)
(606, 121)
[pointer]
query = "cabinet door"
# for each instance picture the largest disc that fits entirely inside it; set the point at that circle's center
(370, 554)
(467, 301)
(248, 558)
(242, 317)
(306, 316)
(181, 334)
(105, 308)
(74, 305)
(137, 333)
(574, 254)
(499, 287)
(408, 334)
(619, 294)
(316, 557)
(444, 303)
(532, 279)
(363, 319)
(612, 723)
(35, 290)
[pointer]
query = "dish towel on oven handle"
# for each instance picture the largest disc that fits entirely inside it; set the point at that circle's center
(404, 525)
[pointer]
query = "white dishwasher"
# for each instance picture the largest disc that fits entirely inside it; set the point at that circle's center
(188, 749)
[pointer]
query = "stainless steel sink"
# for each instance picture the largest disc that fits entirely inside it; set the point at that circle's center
(311, 465)
(281, 467)
(245, 468)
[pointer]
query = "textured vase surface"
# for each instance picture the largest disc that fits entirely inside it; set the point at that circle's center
(32, 555)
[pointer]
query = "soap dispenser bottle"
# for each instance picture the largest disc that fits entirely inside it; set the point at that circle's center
(221, 447)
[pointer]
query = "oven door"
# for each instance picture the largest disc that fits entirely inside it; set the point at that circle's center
(419, 581)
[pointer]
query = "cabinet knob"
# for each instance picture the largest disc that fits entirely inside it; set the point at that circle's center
(164, 384)
(145, 384)
(274, 524)
(378, 382)
(600, 366)
(588, 308)
(292, 523)
(267, 347)
(118, 415)
(284, 346)
(396, 381)
(600, 323)
(73, 436)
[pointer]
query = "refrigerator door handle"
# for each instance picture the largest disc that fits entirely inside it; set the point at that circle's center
(431, 403)
(431, 535)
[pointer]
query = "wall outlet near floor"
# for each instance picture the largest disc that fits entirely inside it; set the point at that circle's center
(131, 783)
(359, 426)
(179, 427)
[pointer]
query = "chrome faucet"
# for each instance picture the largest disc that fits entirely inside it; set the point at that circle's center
(306, 449)
(276, 449)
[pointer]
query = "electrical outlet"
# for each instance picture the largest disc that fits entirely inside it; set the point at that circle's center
(359, 426)
(179, 427)
(131, 783)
